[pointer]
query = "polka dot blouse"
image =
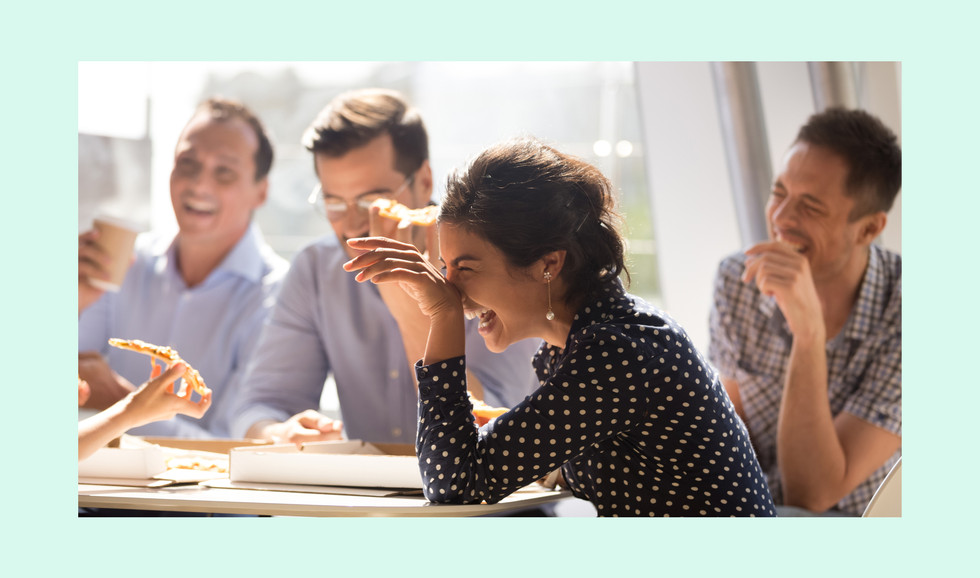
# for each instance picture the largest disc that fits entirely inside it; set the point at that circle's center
(637, 421)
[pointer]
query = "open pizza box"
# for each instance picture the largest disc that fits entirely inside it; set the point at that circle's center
(159, 461)
(349, 466)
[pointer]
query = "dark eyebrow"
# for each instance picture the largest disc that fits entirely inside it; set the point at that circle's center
(230, 159)
(364, 194)
(813, 199)
(191, 154)
(807, 196)
(457, 260)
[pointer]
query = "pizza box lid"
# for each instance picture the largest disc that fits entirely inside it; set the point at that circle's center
(126, 463)
(146, 458)
(220, 446)
(353, 463)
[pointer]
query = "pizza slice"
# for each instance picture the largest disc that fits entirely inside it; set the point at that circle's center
(391, 209)
(483, 413)
(168, 356)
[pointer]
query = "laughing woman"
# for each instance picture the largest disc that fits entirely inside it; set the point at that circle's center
(628, 409)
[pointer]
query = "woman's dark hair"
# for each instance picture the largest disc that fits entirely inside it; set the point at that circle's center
(528, 199)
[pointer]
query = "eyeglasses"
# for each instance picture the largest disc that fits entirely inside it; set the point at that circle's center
(336, 207)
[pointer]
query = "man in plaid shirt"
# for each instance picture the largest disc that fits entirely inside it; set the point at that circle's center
(806, 327)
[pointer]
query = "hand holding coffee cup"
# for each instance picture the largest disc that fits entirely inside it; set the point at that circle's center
(104, 256)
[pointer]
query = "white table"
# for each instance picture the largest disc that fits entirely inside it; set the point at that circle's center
(198, 498)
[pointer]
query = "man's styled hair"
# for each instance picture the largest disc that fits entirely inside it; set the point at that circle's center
(870, 149)
(222, 109)
(354, 118)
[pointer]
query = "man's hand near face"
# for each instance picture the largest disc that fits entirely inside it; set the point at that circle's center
(414, 325)
(821, 457)
(781, 272)
(106, 387)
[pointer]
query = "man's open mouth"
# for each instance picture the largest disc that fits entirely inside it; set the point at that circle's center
(199, 208)
(798, 247)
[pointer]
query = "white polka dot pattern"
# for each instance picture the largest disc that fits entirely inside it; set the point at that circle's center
(629, 410)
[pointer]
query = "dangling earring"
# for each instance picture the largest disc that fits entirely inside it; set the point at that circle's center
(550, 315)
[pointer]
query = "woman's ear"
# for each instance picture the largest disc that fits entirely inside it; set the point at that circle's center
(552, 263)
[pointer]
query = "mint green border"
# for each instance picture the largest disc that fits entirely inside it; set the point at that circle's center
(42, 46)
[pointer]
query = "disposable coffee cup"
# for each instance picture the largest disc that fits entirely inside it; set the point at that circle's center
(116, 237)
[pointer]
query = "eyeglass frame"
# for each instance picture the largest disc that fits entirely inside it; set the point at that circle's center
(361, 204)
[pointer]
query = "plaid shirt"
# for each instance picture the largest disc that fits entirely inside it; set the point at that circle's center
(750, 341)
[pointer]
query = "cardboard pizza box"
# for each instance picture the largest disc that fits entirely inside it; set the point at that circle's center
(351, 463)
(130, 463)
(144, 458)
(220, 446)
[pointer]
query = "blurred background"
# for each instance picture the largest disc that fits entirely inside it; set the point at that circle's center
(690, 147)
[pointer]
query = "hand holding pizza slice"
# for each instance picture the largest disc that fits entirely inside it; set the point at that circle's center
(169, 357)
(391, 219)
(391, 209)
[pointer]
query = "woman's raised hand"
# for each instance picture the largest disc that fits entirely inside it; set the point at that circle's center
(385, 260)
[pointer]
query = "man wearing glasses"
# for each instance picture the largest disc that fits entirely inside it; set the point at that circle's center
(366, 145)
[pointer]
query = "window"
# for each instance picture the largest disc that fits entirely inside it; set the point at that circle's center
(588, 109)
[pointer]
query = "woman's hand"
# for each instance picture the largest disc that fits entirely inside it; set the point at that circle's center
(412, 323)
(151, 402)
(156, 401)
(387, 261)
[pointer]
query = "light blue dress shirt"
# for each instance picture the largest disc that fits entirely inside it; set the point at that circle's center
(213, 326)
(324, 321)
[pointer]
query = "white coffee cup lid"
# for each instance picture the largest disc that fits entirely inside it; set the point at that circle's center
(104, 285)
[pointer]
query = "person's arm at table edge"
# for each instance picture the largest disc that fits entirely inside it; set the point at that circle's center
(287, 369)
(151, 402)
(822, 457)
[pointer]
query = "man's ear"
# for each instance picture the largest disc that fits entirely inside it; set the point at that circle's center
(424, 178)
(872, 225)
(263, 186)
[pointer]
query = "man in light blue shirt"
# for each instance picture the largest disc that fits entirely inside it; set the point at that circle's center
(206, 291)
(367, 145)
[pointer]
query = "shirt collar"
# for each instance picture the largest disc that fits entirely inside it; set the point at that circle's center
(869, 307)
(599, 309)
(244, 259)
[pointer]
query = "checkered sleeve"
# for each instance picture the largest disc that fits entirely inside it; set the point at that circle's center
(878, 399)
(722, 349)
